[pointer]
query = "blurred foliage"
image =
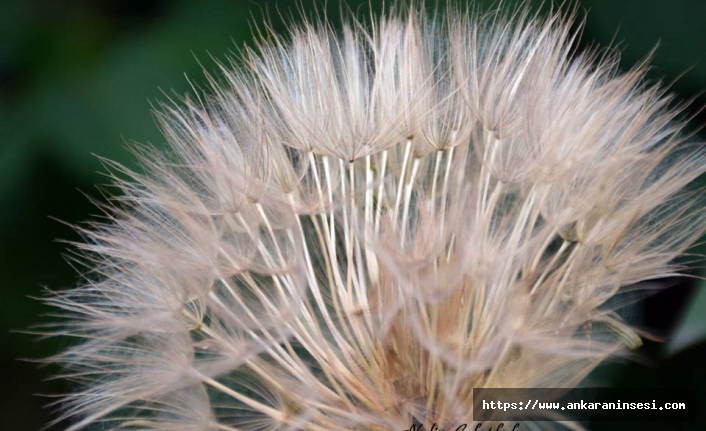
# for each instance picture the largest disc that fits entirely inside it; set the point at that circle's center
(79, 77)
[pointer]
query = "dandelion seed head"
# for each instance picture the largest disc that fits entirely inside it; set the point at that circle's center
(355, 228)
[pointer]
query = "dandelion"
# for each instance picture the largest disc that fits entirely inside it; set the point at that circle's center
(353, 229)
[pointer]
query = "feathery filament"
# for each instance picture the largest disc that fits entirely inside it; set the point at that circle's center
(357, 228)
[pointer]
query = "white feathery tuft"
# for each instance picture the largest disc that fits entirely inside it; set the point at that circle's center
(356, 228)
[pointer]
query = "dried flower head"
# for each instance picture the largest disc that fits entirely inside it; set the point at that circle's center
(355, 228)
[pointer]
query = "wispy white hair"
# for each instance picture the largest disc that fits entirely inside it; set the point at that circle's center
(353, 229)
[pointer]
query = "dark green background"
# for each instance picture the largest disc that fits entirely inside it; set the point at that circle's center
(77, 78)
